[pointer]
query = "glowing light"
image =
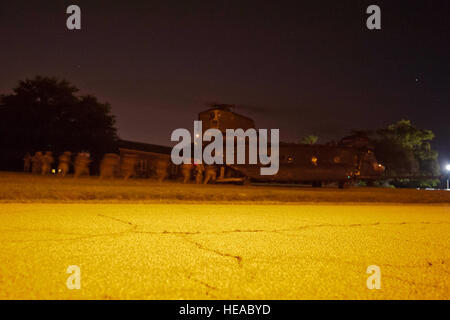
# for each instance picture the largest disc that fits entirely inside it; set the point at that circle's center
(447, 167)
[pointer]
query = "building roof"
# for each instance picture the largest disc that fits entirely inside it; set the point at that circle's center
(227, 108)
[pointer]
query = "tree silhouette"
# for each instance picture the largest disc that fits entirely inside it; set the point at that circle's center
(309, 139)
(46, 113)
(405, 150)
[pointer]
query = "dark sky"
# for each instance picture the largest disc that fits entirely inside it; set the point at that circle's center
(305, 66)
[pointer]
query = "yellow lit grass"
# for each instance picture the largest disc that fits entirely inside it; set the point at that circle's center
(20, 187)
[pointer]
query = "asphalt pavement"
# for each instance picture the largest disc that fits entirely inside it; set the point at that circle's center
(211, 251)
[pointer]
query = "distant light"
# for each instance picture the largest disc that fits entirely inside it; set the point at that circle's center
(448, 167)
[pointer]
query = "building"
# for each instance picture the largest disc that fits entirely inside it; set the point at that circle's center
(147, 156)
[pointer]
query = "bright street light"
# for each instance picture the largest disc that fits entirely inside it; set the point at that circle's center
(448, 178)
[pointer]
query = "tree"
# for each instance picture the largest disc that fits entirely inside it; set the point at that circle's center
(310, 139)
(46, 113)
(405, 150)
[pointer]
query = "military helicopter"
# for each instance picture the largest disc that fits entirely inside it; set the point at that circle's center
(352, 158)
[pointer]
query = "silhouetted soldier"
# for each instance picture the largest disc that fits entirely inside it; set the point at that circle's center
(186, 170)
(199, 169)
(109, 165)
(82, 161)
(161, 169)
(36, 162)
(128, 166)
(27, 162)
(46, 163)
(210, 174)
(64, 163)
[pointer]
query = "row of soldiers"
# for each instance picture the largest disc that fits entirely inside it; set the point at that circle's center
(42, 163)
(199, 171)
(111, 166)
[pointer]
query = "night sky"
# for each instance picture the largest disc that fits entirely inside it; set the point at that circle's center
(305, 67)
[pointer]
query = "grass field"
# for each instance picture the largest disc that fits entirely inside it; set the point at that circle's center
(19, 187)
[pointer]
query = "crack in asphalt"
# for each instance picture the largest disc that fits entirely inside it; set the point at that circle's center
(359, 265)
(117, 219)
(181, 235)
(134, 229)
(186, 236)
(205, 284)
(284, 230)
(81, 235)
(413, 283)
(220, 253)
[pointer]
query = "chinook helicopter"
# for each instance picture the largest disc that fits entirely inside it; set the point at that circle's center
(351, 159)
